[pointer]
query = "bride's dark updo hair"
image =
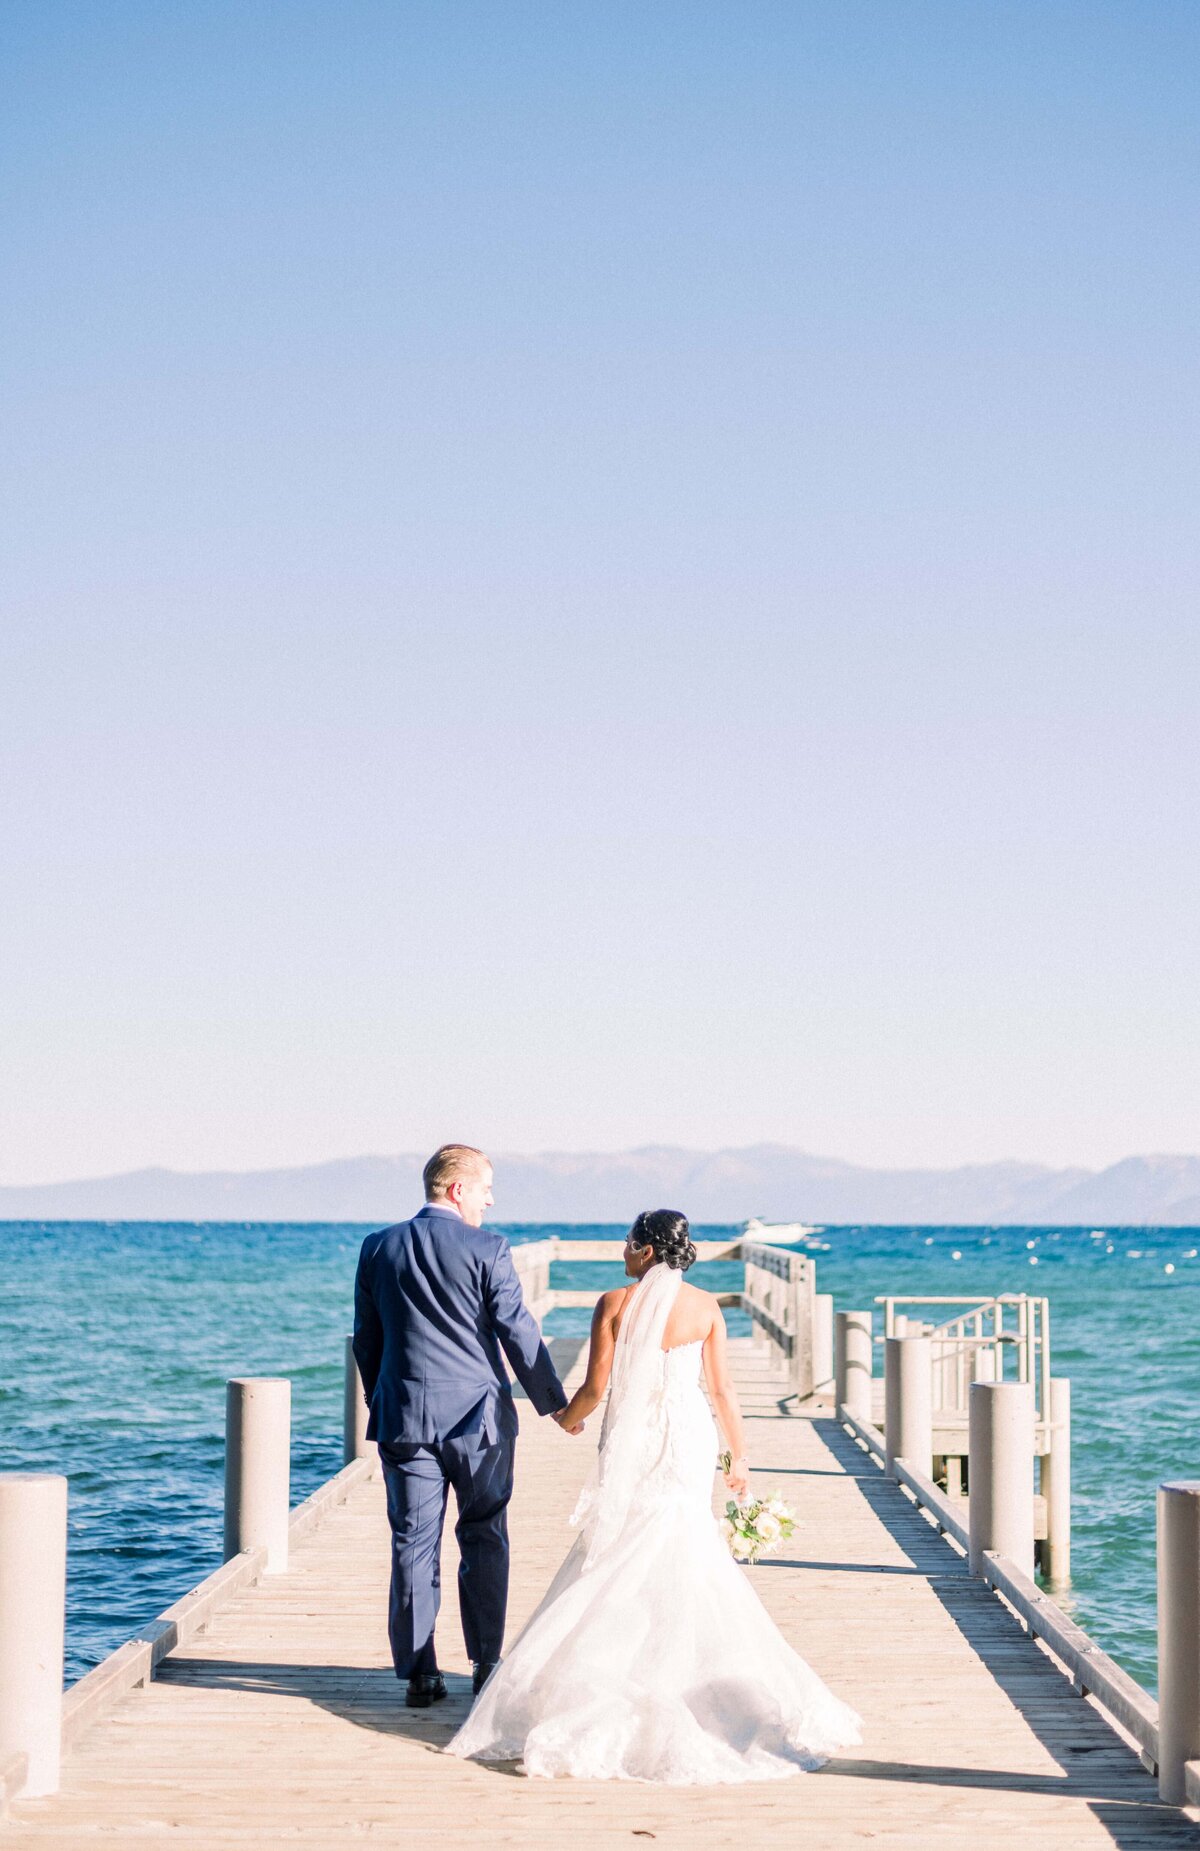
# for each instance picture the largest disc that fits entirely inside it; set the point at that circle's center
(668, 1233)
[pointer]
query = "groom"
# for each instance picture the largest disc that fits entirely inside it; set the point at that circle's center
(435, 1299)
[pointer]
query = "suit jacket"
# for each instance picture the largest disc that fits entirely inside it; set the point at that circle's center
(434, 1302)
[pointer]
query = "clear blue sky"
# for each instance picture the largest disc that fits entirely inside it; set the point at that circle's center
(582, 575)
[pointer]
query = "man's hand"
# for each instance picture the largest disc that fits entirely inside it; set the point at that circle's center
(567, 1427)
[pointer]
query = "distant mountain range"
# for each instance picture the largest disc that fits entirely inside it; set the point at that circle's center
(724, 1186)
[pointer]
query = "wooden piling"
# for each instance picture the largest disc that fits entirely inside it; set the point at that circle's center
(822, 1339)
(1001, 1473)
(1178, 1635)
(908, 1403)
(853, 1362)
(33, 1585)
(258, 1415)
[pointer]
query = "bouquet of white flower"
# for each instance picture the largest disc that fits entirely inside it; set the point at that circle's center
(757, 1527)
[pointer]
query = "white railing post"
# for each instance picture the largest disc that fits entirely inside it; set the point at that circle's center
(799, 1289)
(258, 1438)
(757, 1293)
(1056, 1482)
(985, 1364)
(822, 1339)
(531, 1262)
(33, 1585)
(908, 1403)
(1000, 1487)
(1024, 1359)
(1043, 1358)
(1178, 1635)
(854, 1358)
(355, 1444)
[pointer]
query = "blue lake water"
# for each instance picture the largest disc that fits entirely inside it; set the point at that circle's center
(116, 1341)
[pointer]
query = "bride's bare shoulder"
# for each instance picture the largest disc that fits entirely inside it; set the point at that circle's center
(610, 1306)
(698, 1310)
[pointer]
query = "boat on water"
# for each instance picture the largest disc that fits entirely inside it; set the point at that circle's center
(778, 1233)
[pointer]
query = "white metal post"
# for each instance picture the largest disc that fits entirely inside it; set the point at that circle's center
(33, 1586)
(1056, 1482)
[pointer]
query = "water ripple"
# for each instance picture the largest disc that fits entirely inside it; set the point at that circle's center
(116, 1342)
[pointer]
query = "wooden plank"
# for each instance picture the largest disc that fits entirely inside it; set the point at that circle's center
(1093, 1670)
(13, 1775)
(135, 1662)
(282, 1723)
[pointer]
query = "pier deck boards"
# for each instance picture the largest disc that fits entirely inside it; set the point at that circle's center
(283, 1725)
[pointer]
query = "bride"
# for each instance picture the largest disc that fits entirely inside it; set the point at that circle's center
(650, 1656)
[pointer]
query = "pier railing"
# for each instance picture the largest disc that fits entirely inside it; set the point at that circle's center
(993, 1339)
(1091, 1670)
(778, 1292)
(975, 1343)
(37, 1719)
(993, 1525)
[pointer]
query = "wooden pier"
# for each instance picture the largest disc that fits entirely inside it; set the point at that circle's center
(273, 1718)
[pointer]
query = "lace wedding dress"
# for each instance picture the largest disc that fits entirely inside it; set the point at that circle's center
(650, 1656)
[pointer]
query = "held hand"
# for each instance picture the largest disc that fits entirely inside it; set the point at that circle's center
(567, 1427)
(737, 1477)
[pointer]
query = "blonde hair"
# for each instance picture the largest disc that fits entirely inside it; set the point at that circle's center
(448, 1163)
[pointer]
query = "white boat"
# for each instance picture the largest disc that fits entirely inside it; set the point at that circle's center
(777, 1233)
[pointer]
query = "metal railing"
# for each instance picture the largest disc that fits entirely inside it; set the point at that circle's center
(973, 1343)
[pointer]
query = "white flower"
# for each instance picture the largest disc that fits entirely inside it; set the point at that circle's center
(767, 1527)
(728, 1530)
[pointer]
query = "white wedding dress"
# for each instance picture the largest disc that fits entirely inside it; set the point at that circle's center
(651, 1657)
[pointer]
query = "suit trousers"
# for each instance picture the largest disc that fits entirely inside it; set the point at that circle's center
(418, 1481)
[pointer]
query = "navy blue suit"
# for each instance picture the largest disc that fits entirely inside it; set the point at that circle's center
(435, 1301)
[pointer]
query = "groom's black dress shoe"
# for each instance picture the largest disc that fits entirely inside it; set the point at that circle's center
(424, 1688)
(481, 1673)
